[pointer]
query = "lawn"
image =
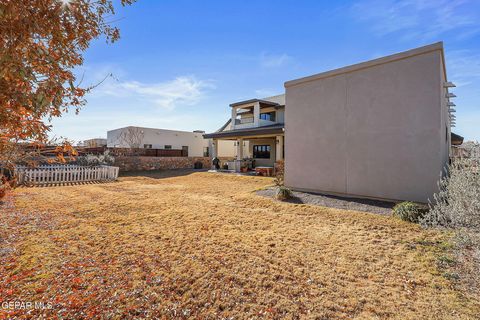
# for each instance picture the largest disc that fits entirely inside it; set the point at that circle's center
(205, 245)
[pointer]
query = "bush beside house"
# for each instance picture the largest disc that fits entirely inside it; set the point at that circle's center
(457, 204)
(408, 211)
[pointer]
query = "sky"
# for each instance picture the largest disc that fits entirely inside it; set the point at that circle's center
(180, 63)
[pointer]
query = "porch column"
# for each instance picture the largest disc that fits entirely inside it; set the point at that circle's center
(256, 114)
(238, 163)
(234, 117)
(214, 151)
(279, 148)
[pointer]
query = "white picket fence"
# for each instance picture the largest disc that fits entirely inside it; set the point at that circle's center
(64, 174)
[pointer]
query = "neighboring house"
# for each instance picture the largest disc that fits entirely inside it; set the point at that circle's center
(256, 127)
(468, 150)
(151, 138)
(96, 142)
(377, 129)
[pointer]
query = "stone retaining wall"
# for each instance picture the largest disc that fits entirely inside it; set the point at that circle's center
(139, 163)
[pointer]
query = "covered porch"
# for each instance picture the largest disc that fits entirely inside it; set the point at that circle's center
(256, 149)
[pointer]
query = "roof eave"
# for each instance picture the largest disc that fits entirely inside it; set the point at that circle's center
(245, 132)
(240, 103)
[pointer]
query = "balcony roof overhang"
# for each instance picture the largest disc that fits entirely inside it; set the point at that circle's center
(456, 139)
(251, 101)
(274, 129)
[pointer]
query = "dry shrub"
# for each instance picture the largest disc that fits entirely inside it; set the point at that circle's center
(91, 160)
(283, 193)
(457, 204)
(279, 173)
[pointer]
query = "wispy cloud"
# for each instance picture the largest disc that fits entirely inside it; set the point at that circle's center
(420, 19)
(463, 67)
(184, 90)
(263, 93)
(274, 60)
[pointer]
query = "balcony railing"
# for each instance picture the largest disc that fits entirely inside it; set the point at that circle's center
(249, 123)
(243, 120)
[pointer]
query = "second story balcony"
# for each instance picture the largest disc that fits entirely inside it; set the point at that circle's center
(256, 113)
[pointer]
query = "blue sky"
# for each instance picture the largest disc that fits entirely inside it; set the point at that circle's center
(179, 63)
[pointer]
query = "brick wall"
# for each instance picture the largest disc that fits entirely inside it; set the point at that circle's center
(138, 163)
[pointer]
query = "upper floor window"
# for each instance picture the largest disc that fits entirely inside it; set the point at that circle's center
(168, 147)
(147, 146)
(270, 116)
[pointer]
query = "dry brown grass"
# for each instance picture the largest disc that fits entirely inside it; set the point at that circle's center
(204, 245)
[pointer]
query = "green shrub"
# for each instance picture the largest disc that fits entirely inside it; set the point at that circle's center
(283, 193)
(408, 211)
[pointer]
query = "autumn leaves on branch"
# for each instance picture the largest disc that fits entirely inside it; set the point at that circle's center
(42, 41)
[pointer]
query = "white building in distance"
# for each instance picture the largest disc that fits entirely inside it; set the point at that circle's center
(152, 138)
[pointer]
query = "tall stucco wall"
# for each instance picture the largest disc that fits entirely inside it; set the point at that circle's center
(372, 132)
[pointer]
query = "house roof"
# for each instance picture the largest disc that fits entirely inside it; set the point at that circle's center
(371, 63)
(235, 104)
(248, 132)
(224, 126)
(456, 139)
(280, 99)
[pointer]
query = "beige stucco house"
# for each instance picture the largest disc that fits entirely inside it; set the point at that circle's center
(95, 142)
(256, 128)
(192, 143)
(377, 129)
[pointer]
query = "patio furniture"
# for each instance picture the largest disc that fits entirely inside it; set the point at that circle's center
(216, 163)
(264, 171)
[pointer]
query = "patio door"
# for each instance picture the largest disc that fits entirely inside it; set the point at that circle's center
(185, 151)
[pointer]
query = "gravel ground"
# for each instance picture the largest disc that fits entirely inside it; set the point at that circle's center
(344, 203)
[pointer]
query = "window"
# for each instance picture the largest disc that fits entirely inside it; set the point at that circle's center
(270, 116)
(167, 147)
(261, 151)
(147, 146)
(206, 152)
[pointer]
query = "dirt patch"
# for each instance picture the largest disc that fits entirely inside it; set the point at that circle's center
(330, 201)
(203, 245)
